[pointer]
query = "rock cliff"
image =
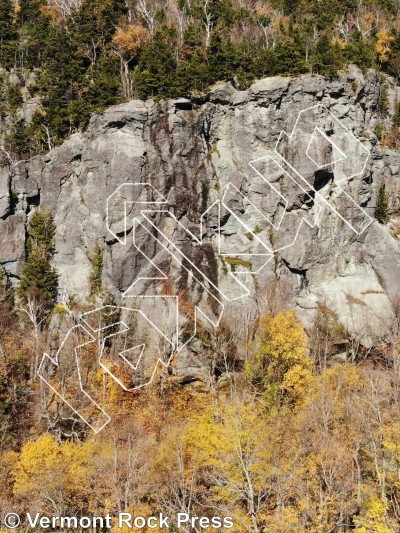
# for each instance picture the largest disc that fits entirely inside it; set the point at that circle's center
(189, 151)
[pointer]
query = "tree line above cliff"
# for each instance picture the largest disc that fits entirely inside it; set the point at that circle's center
(90, 54)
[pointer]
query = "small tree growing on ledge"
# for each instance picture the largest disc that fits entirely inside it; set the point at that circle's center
(96, 270)
(39, 280)
(396, 116)
(381, 212)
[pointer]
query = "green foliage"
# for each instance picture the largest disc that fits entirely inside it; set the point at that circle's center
(79, 69)
(78, 72)
(95, 23)
(262, 61)
(42, 231)
(39, 279)
(326, 57)
(236, 261)
(381, 212)
(16, 141)
(96, 270)
(393, 66)
(13, 98)
(157, 66)
(359, 51)
(290, 54)
(192, 73)
(326, 12)
(383, 102)
(290, 7)
(103, 92)
(8, 34)
(224, 60)
(396, 116)
(34, 27)
(378, 130)
(30, 11)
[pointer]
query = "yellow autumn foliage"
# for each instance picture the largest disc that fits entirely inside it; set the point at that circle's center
(131, 39)
(374, 518)
(280, 361)
(383, 45)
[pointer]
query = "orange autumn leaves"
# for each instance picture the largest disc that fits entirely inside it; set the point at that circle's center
(289, 450)
(131, 39)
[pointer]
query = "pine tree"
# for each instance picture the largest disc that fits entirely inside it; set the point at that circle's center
(290, 54)
(155, 75)
(8, 34)
(29, 11)
(383, 101)
(35, 26)
(223, 59)
(290, 6)
(325, 12)
(381, 212)
(39, 279)
(94, 25)
(104, 91)
(64, 71)
(393, 65)
(325, 57)
(42, 231)
(262, 61)
(192, 73)
(359, 51)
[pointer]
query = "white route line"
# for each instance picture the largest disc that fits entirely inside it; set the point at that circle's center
(120, 332)
(356, 171)
(56, 362)
(138, 194)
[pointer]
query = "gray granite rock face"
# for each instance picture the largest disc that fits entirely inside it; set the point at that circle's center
(189, 150)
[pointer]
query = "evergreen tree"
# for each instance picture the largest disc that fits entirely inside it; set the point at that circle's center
(14, 98)
(155, 75)
(396, 116)
(39, 279)
(29, 11)
(262, 61)
(34, 26)
(80, 75)
(16, 141)
(393, 66)
(192, 72)
(94, 26)
(381, 212)
(8, 34)
(383, 101)
(77, 74)
(326, 57)
(42, 231)
(223, 59)
(59, 82)
(359, 51)
(290, 54)
(290, 6)
(103, 91)
(324, 13)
